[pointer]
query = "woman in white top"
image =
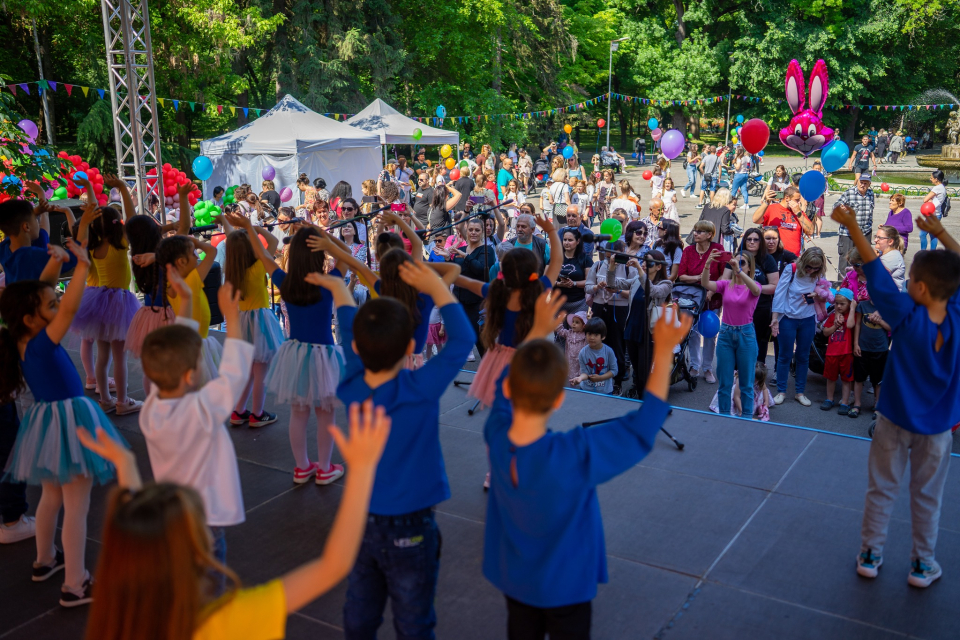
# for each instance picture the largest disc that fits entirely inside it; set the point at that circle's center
(890, 248)
(403, 174)
(558, 195)
(669, 197)
(743, 165)
(937, 195)
(693, 160)
(513, 210)
(525, 168)
(623, 201)
(779, 180)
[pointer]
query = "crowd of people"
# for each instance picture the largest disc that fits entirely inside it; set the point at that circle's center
(377, 303)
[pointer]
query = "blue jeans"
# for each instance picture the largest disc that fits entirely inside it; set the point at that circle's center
(736, 349)
(933, 239)
(740, 182)
(641, 157)
(399, 558)
(219, 551)
(797, 332)
(709, 183)
(691, 179)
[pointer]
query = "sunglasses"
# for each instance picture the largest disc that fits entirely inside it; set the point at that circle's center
(347, 209)
(856, 265)
(754, 239)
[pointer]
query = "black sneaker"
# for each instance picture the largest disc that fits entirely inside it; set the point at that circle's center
(617, 390)
(45, 572)
(263, 419)
(70, 599)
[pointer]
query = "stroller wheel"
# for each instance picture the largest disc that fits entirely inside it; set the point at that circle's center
(692, 384)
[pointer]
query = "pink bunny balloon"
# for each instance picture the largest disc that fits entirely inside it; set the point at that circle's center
(806, 132)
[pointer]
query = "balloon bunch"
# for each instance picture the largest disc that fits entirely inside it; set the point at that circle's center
(80, 171)
(205, 211)
(172, 179)
(228, 195)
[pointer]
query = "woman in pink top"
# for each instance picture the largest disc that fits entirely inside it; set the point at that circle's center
(737, 342)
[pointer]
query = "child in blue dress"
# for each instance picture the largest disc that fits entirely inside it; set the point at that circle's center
(47, 451)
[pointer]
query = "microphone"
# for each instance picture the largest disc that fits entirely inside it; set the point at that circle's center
(201, 229)
(590, 237)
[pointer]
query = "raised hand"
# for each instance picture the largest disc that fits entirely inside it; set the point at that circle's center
(844, 215)
(238, 221)
(548, 314)
(319, 243)
(144, 259)
(930, 224)
(546, 224)
(35, 188)
(229, 300)
(128, 475)
(421, 277)
(91, 211)
(369, 430)
(113, 181)
(324, 280)
(58, 253)
(671, 328)
(79, 250)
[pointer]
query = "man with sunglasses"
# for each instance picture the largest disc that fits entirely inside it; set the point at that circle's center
(421, 199)
(787, 217)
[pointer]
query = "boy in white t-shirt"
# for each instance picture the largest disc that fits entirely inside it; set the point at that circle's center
(184, 427)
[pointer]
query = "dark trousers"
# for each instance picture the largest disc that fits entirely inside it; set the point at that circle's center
(615, 318)
(637, 352)
(761, 324)
(13, 495)
(472, 310)
(844, 244)
(399, 558)
(525, 622)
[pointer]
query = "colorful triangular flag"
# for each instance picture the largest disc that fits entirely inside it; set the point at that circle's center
(160, 100)
(101, 92)
(192, 105)
(86, 90)
(53, 85)
(25, 87)
(68, 87)
(176, 105)
(245, 111)
(220, 108)
(42, 84)
(233, 111)
(13, 89)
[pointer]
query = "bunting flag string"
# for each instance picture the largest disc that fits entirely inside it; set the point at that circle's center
(50, 85)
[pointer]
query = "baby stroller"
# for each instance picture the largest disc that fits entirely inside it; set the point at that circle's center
(690, 299)
(540, 173)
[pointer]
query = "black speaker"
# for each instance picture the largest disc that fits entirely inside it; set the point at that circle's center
(211, 284)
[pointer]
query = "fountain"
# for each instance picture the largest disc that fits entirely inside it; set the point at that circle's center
(949, 157)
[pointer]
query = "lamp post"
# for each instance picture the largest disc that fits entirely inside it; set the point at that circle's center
(614, 45)
(726, 132)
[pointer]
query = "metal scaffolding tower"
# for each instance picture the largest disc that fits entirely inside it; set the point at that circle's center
(133, 99)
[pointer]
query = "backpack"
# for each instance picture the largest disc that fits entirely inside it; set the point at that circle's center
(945, 206)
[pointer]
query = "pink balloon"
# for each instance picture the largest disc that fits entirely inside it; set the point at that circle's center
(48, 194)
(286, 194)
(269, 173)
(167, 200)
(656, 133)
(672, 143)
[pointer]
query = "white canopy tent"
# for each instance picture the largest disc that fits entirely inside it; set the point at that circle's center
(293, 140)
(395, 128)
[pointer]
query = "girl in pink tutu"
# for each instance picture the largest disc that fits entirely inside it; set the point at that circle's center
(576, 339)
(108, 309)
(510, 301)
(144, 234)
(436, 335)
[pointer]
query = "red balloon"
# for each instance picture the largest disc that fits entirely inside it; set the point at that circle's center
(217, 239)
(455, 174)
(166, 166)
(754, 135)
(601, 123)
(884, 187)
(928, 208)
(491, 186)
(647, 175)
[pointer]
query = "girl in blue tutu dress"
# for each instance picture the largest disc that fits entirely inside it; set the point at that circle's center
(108, 309)
(307, 368)
(259, 325)
(47, 451)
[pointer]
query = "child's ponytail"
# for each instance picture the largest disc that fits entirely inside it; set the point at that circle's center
(19, 300)
(519, 270)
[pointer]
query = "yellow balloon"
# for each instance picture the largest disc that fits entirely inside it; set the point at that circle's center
(567, 128)
(445, 150)
(735, 139)
(429, 163)
(451, 163)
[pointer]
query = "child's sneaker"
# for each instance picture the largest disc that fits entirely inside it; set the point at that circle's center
(128, 407)
(236, 419)
(922, 574)
(25, 527)
(868, 564)
(330, 475)
(43, 572)
(70, 599)
(301, 476)
(263, 419)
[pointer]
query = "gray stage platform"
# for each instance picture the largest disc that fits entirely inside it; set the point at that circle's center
(750, 532)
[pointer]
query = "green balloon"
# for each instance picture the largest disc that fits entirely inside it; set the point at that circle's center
(60, 193)
(227, 199)
(417, 134)
(464, 164)
(214, 211)
(201, 255)
(611, 227)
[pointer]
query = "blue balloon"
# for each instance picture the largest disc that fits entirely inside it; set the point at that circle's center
(79, 175)
(760, 153)
(709, 324)
(909, 138)
(812, 185)
(740, 119)
(653, 123)
(202, 167)
(43, 152)
(11, 180)
(834, 156)
(568, 152)
(441, 112)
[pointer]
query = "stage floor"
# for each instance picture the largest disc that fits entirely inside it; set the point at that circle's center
(750, 532)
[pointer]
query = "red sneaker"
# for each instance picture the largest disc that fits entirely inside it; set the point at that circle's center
(330, 475)
(237, 419)
(303, 475)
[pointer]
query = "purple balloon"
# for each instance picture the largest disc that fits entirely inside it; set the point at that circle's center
(286, 194)
(269, 173)
(672, 143)
(48, 194)
(29, 128)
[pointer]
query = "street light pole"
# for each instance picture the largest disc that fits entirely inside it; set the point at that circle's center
(614, 45)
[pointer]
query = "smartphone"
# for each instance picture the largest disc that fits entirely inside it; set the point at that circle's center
(621, 259)
(778, 195)
(477, 199)
(398, 207)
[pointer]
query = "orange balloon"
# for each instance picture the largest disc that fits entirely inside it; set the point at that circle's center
(567, 128)
(429, 163)
(450, 163)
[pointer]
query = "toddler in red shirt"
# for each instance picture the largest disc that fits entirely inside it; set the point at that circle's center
(838, 328)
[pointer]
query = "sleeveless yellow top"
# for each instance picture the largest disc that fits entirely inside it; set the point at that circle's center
(255, 295)
(113, 270)
(201, 308)
(92, 279)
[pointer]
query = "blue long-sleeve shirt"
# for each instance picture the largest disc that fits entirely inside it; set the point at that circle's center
(921, 386)
(27, 263)
(411, 474)
(544, 541)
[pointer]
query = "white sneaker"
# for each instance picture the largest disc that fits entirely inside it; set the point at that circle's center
(25, 527)
(471, 357)
(802, 399)
(745, 207)
(710, 378)
(779, 398)
(128, 407)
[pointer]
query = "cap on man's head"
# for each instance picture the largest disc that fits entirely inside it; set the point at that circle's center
(865, 177)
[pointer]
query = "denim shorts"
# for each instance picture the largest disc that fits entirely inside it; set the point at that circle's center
(709, 183)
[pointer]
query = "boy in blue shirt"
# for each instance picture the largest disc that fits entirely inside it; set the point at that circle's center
(25, 252)
(544, 544)
(400, 553)
(916, 412)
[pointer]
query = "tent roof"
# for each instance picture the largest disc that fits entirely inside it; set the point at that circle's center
(288, 128)
(395, 128)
